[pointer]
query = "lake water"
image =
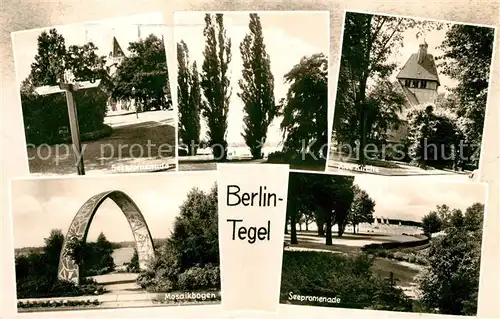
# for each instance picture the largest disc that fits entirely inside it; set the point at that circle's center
(123, 255)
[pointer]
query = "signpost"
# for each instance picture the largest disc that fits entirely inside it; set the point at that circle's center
(68, 84)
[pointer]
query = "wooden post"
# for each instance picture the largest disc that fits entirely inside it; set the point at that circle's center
(69, 88)
(75, 129)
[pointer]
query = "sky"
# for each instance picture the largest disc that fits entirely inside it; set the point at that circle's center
(126, 29)
(410, 198)
(288, 37)
(39, 205)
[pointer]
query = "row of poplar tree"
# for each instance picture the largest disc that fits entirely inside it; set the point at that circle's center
(207, 93)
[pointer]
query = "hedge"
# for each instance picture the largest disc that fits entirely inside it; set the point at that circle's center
(393, 245)
(46, 116)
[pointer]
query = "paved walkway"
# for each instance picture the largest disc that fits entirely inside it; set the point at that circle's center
(355, 240)
(335, 166)
(165, 117)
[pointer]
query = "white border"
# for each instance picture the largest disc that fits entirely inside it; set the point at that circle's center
(137, 311)
(164, 29)
(488, 97)
(341, 312)
(261, 12)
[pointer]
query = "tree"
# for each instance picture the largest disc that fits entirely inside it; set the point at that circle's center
(368, 42)
(305, 108)
(79, 253)
(467, 58)
(133, 265)
(50, 60)
(145, 70)
(383, 106)
(195, 233)
(215, 83)
(189, 259)
(444, 213)
(44, 115)
(188, 99)
(306, 218)
(53, 58)
(53, 246)
(328, 196)
(362, 208)
(85, 64)
(434, 137)
(452, 281)
(431, 223)
(257, 88)
(473, 217)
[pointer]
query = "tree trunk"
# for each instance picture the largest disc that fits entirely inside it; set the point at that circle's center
(354, 229)
(286, 225)
(341, 226)
(300, 226)
(293, 228)
(328, 240)
(321, 228)
(362, 121)
(307, 226)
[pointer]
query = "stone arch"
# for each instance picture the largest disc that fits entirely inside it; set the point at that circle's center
(79, 227)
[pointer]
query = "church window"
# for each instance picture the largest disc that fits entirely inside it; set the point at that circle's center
(407, 83)
(414, 83)
(423, 84)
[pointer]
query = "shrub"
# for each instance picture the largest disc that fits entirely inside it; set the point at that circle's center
(277, 157)
(452, 282)
(200, 278)
(133, 265)
(332, 275)
(190, 257)
(382, 253)
(45, 115)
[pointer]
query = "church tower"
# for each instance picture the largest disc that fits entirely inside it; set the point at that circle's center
(419, 77)
(115, 56)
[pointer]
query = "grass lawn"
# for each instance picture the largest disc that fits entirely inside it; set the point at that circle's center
(381, 267)
(127, 142)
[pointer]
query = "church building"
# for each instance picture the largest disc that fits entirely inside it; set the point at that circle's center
(114, 59)
(419, 78)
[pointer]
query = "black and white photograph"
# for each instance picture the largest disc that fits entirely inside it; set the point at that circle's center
(411, 96)
(252, 87)
(404, 244)
(96, 97)
(105, 242)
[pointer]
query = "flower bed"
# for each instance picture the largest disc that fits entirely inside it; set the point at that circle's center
(57, 303)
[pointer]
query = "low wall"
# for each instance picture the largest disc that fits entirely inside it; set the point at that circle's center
(393, 245)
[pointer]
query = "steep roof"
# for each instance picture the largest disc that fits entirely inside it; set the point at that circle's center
(420, 71)
(117, 50)
(411, 99)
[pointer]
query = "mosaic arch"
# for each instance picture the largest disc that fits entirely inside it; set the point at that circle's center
(80, 225)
